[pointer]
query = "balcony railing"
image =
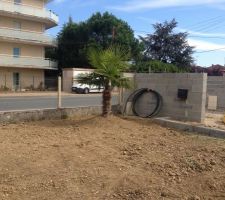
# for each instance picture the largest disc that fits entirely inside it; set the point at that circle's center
(28, 37)
(27, 62)
(7, 6)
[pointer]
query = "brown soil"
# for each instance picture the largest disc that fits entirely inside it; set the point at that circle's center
(96, 158)
(215, 120)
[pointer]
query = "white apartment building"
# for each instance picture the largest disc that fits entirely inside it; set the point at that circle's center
(22, 43)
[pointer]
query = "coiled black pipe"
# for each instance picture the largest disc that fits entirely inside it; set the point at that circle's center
(138, 94)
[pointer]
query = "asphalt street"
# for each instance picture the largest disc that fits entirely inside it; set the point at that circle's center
(44, 102)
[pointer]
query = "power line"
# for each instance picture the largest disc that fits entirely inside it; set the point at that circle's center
(206, 24)
(190, 35)
(209, 25)
(210, 50)
(206, 21)
(210, 37)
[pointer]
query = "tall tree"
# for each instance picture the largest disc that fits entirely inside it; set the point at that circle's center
(99, 31)
(167, 46)
(106, 29)
(72, 45)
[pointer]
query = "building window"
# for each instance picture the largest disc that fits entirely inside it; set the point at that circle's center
(17, 25)
(17, 2)
(16, 52)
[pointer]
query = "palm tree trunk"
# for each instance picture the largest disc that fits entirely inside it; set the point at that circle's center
(106, 100)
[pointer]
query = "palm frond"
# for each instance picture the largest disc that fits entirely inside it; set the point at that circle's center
(109, 66)
(122, 82)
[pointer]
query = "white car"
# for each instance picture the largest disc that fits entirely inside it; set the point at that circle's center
(85, 89)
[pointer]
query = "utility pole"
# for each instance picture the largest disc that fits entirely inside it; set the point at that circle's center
(113, 32)
(120, 90)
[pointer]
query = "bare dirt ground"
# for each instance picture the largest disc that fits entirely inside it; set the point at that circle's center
(96, 158)
(215, 120)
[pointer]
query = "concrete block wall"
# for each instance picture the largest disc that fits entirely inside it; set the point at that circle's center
(67, 80)
(167, 85)
(216, 87)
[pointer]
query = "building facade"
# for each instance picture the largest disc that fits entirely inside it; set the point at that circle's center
(22, 43)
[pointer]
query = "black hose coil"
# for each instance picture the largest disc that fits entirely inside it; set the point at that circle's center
(136, 95)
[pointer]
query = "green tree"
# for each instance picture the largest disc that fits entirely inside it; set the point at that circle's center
(109, 66)
(72, 45)
(99, 31)
(106, 29)
(167, 46)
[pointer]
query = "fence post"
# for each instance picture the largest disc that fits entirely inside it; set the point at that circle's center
(59, 92)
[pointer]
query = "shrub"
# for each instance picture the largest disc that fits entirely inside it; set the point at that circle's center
(4, 88)
(156, 66)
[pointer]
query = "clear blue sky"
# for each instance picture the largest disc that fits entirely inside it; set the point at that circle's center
(203, 19)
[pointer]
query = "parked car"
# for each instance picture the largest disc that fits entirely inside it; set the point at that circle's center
(85, 89)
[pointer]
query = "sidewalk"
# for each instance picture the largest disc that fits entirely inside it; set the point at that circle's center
(43, 94)
(29, 94)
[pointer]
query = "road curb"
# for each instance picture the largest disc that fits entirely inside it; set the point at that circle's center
(196, 129)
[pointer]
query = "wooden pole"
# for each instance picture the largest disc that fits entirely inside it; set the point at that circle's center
(59, 92)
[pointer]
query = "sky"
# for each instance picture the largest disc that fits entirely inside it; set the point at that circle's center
(204, 20)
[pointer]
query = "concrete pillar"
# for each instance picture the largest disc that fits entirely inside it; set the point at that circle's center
(59, 92)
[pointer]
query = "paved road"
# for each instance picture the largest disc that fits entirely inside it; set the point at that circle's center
(41, 102)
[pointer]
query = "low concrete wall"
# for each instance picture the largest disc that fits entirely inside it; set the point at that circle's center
(216, 87)
(194, 129)
(167, 85)
(50, 114)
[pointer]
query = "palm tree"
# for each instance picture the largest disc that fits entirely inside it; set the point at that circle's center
(109, 66)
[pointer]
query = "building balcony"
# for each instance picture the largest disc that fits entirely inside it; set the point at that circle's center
(20, 36)
(8, 8)
(27, 62)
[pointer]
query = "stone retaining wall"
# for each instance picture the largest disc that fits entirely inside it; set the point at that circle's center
(49, 114)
